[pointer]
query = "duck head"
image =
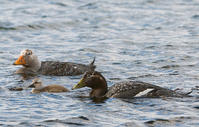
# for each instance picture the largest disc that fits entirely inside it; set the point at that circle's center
(95, 81)
(28, 60)
(91, 79)
(36, 83)
(24, 58)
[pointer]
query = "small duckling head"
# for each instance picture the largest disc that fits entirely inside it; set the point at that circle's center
(36, 83)
(92, 79)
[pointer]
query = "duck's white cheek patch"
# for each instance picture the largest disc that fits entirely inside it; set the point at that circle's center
(142, 93)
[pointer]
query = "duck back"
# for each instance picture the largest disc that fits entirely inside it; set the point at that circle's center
(64, 68)
(54, 89)
(131, 89)
(50, 89)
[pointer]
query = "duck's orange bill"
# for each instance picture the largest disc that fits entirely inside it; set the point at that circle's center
(20, 61)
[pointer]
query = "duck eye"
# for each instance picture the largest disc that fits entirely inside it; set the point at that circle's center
(85, 75)
(88, 76)
(93, 73)
(28, 53)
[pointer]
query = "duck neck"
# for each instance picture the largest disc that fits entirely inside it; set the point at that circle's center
(34, 65)
(99, 90)
(38, 86)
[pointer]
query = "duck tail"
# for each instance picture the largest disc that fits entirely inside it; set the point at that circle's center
(188, 92)
(92, 66)
(182, 93)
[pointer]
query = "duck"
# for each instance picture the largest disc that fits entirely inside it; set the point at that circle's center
(124, 89)
(33, 66)
(38, 87)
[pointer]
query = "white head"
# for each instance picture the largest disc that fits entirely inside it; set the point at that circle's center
(26, 52)
(28, 60)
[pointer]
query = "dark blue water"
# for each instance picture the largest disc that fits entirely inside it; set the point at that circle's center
(147, 40)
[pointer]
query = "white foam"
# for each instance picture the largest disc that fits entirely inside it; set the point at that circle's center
(142, 93)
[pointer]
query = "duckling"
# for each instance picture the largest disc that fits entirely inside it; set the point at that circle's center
(38, 87)
(126, 89)
(32, 65)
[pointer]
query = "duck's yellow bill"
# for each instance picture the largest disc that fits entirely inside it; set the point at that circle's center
(80, 84)
(20, 61)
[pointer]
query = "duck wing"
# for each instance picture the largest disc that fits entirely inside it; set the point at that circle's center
(55, 89)
(131, 89)
(63, 68)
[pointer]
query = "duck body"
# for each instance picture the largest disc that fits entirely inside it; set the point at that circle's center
(125, 89)
(32, 66)
(50, 89)
(63, 68)
(38, 87)
(132, 89)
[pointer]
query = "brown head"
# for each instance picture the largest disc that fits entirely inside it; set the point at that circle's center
(94, 80)
(36, 83)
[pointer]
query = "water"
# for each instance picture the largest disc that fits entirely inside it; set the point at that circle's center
(147, 40)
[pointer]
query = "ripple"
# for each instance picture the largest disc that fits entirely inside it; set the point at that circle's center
(7, 28)
(196, 107)
(60, 4)
(174, 73)
(195, 16)
(170, 66)
(37, 26)
(153, 41)
(78, 121)
(115, 78)
(169, 122)
(141, 76)
(89, 6)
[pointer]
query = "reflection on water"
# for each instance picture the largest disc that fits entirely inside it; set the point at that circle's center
(147, 40)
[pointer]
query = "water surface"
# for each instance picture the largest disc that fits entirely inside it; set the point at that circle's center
(147, 40)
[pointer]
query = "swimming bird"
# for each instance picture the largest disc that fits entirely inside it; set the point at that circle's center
(38, 87)
(32, 65)
(126, 89)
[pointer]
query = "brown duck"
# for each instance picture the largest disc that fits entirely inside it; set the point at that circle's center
(38, 87)
(126, 89)
(32, 65)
